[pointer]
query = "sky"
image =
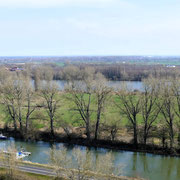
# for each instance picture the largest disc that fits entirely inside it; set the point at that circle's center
(89, 27)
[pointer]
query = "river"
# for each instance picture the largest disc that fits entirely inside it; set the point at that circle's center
(131, 85)
(145, 165)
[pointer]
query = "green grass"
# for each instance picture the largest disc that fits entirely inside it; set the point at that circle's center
(155, 62)
(61, 64)
(66, 115)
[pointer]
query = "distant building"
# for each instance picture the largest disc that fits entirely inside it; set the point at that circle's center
(171, 66)
(15, 68)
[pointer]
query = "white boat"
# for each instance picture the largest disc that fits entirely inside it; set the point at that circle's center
(26, 153)
(2, 136)
(19, 155)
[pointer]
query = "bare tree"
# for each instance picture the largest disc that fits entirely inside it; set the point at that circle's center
(12, 93)
(167, 109)
(129, 105)
(7, 95)
(19, 96)
(176, 93)
(102, 92)
(50, 94)
(150, 111)
(29, 98)
(81, 94)
(9, 101)
(93, 86)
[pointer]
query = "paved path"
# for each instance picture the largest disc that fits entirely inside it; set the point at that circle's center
(34, 169)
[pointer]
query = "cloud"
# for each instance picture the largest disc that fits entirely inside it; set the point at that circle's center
(52, 3)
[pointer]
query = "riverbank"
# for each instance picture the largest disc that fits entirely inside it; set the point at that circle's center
(108, 144)
(25, 170)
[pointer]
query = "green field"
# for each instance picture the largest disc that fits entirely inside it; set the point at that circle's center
(66, 113)
(61, 64)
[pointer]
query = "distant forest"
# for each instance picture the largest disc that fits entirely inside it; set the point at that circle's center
(114, 72)
(115, 68)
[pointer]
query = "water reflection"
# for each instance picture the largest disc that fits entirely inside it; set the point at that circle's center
(145, 163)
(152, 167)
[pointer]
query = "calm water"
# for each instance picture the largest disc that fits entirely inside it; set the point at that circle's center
(152, 167)
(131, 85)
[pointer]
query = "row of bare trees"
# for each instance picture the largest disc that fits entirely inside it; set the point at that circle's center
(156, 107)
(20, 100)
(90, 97)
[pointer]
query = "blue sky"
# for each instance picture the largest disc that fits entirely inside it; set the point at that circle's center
(89, 27)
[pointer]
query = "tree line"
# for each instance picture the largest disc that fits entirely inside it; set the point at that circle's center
(152, 113)
(114, 72)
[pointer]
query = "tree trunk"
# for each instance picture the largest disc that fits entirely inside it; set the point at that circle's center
(15, 125)
(14, 122)
(97, 125)
(52, 127)
(171, 142)
(145, 139)
(135, 135)
(20, 121)
(13, 116)
(87, 130)
(145, 134)
(27, 124)
(171, 137)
